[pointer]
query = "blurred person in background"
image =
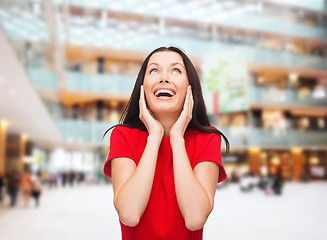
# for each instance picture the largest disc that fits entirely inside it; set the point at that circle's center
(26, 187)
(53, 180)
(36, 188)
(235, 178)
(304, 176)
(272, 184)
(165, 158)
(71, 178)
(247, 182)
(277, 184)
(81, 177)
(2, 183)
(14, 180)
(64, 178)
(263, 183)
(44, 177)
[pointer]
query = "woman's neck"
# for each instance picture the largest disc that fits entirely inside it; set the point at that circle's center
(167, 120)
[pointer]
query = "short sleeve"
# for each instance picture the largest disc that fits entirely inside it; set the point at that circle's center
(119, 147)
(211, 152)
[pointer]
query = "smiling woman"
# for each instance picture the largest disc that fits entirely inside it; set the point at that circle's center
(165, 158)
(165, 86)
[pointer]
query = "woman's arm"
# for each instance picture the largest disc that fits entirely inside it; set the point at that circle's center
(195, 189)
(132, 185)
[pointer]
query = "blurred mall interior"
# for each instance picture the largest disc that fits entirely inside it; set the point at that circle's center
(67, 69)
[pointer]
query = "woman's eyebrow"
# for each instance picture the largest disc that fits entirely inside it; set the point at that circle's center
(153, 63)
(177, 63)
(172, 64)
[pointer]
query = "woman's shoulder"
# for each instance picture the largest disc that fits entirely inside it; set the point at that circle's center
(202, 134)
(129, 131)
(203, 138)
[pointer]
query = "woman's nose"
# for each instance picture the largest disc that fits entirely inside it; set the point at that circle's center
(166, 81)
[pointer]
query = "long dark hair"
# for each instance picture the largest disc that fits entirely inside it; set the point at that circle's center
(130, 117)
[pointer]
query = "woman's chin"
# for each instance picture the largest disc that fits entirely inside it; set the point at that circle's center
(160, 110)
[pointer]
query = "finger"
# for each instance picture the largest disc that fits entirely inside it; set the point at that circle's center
(144, 108)
(191, 100)
(142, 98)
(142, 105)
(186, 101)
(142, 93)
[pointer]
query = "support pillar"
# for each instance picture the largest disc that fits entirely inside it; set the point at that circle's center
(297, 157)
(15, 153)
(3, 143)
(22, 150)
(254, 160)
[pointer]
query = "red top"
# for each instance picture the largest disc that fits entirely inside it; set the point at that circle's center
(162, 218)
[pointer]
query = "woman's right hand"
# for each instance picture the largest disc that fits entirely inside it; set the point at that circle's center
(153, 126)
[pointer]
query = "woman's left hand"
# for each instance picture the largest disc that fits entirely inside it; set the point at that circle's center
(179, 127)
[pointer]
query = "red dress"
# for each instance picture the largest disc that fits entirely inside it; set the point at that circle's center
(162, 218)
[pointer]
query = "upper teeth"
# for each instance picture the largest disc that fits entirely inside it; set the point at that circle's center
(164, 91)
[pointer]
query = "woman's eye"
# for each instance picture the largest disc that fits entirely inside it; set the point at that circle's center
(176, 70)
(154, 71)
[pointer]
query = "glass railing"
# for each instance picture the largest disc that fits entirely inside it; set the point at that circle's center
(238, 15)
(316, 5)
(258, 137)
(196, 47)
(264, 24)
(81, 131)
(43, 78)
(107, 83)
(280, 96)
(289, 138)
(24, 25)
(117, 84)
(146, 6)
(132, 39)
(82, 82)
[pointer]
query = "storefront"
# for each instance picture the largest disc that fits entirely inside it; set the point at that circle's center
(294, 164)
(315, 164)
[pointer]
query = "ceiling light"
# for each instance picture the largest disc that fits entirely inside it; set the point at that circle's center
(296, 150)
(261, 79)
(275, 160)
(314, 160)
(24, 136)
(293, 77)
(254, 149)
(3, 123)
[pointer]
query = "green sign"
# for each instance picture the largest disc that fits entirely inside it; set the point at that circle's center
(225, 83)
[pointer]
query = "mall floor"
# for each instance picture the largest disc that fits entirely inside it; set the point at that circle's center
(86, 212)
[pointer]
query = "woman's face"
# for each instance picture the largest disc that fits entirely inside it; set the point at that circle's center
(165, 82)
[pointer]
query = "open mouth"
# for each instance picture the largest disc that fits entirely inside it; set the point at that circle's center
(164, 93)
